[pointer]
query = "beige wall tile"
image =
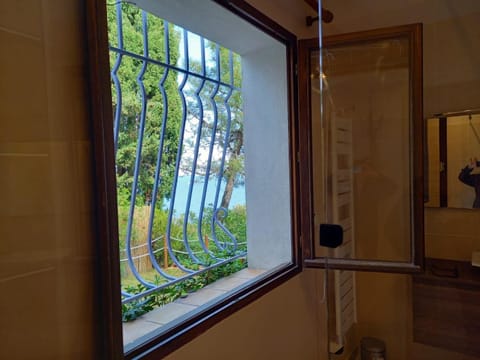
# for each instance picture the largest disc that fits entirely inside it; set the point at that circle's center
(23, 234)
(46, 220)
(76, 306)
(62, 235)
(451, 57)
(19, 265)
(23, 106)
(29, 326)
(67, 76)
(451, 233)
(21, 16)
(51, 312)
(26, 182)
(46, 178)
(452, 247)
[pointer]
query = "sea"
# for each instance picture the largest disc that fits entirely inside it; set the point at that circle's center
(238, 195)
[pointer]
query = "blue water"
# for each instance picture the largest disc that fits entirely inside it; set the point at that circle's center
(238, 195)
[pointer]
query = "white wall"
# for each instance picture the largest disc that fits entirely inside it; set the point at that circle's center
(267, 157)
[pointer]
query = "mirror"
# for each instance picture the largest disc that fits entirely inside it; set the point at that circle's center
(453, 145)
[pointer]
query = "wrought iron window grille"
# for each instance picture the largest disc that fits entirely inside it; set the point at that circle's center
(204, 91)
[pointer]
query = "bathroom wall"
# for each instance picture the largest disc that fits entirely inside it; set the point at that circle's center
(46, 247)
(47, 300)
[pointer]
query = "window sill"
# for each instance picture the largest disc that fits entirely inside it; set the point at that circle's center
(141, 329)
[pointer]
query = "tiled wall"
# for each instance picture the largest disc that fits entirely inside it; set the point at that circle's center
(46, 240)
(451, 233)
(47, 299)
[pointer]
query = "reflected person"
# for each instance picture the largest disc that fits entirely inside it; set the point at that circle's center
(470, 175)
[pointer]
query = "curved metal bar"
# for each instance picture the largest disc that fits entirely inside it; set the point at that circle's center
(195, 158)
(116, 81)
(136, 170)
(210, 150)
(215, 85)
(215, 221)
(158, 180)
(180, 279)
(216, 211)
(163, 64)
(178, 160)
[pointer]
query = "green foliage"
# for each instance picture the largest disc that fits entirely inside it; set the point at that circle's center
(130, 78)
(134, 309)
(162, 115)
(227, 103)
(236, 221)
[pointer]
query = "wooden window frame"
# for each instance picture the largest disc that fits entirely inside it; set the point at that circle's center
(108, 299)
(306, 47)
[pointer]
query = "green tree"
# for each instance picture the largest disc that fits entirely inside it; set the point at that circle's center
(130, 79)
(229, 107)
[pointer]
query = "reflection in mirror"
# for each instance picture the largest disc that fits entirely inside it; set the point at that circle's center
(454, 160)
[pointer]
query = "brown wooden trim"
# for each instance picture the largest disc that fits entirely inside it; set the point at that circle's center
(313, 4)
(414, 33)
(442, 136)
(305, 146)
(258, 19)
(371, 35)
(416, 116)
(327, 15)
(296, 185)
(107, 275)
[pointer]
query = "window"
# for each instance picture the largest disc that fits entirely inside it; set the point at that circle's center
(351, 161)
(203, 105)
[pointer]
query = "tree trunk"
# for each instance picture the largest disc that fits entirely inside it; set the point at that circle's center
(227, 193)
(231, 175)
